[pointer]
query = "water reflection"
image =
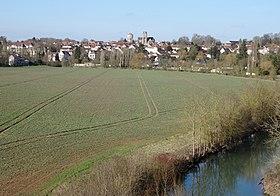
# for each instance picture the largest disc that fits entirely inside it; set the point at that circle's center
(238, 172)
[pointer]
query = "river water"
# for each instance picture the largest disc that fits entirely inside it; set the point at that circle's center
(236, 172)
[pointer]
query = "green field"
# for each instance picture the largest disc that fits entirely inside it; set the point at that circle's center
(58, 122)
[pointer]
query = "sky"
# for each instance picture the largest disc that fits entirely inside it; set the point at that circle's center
(113, 19)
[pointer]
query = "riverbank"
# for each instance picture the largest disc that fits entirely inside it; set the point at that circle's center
(272, 182)
(221, 124)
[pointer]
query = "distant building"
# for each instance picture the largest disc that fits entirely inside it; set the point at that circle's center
(145, 38)
(264, 50)
(129, 38)
(17, 60)
(91, 55)
(67, 48)
(151, 41)
(19, 47)
(64, 56)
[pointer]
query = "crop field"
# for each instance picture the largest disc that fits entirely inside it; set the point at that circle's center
(58, 122)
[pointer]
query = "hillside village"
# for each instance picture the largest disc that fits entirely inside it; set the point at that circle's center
(201, 54)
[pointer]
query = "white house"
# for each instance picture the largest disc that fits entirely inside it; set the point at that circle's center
(64, 56)
(91, 55)
(67, 48)
(131, 47)
(222, 51)
(264, 50)
(249, 51)
(152, 51)
(16, 60)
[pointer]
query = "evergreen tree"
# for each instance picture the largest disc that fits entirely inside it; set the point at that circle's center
(215, 52)
(242, 57)
(193, 52)
(242, 50)
(77, 54)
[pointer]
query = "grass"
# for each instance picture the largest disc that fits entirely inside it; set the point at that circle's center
(60, 123)
(272, 178)
(85, 166)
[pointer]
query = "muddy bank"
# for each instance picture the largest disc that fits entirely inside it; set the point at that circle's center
(271, 182)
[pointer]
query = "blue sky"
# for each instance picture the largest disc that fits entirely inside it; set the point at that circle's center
(113, 19)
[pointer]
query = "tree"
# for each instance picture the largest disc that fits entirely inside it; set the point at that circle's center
(183, 54)
(77, 54)
(85, 40)
(128, 53)
(204, 40)
(198, 39)
(242, 56)
(257, 39)
(138, 60)
(3, 51)
(183, 41)
(103, 58)
(265, 66)
(200, 57)
(214, 52)
(113, 58)
(169, 48)
(276, 38)
(242, 50)
(210, 41)
(254, 58)
(141, 49)
(275, 60)
(266, 39)
(193, 52)
(230, 60)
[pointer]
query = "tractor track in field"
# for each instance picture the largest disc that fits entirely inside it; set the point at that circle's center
(25, 115)
(145, 97)
(35, 79)
(35, 182)
(151, 114)
(151, 98)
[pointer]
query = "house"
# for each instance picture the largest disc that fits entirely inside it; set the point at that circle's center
(222, 50)
(264, 50)
(132, 47)
(19, 47)
(17, 60)
(153, 51)
(67, 48)
(64, 56)
(151, 41)
(174, 52)
(225, 50)
(91, 55)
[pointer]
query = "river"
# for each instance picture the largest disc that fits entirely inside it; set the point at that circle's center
(236, 172)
